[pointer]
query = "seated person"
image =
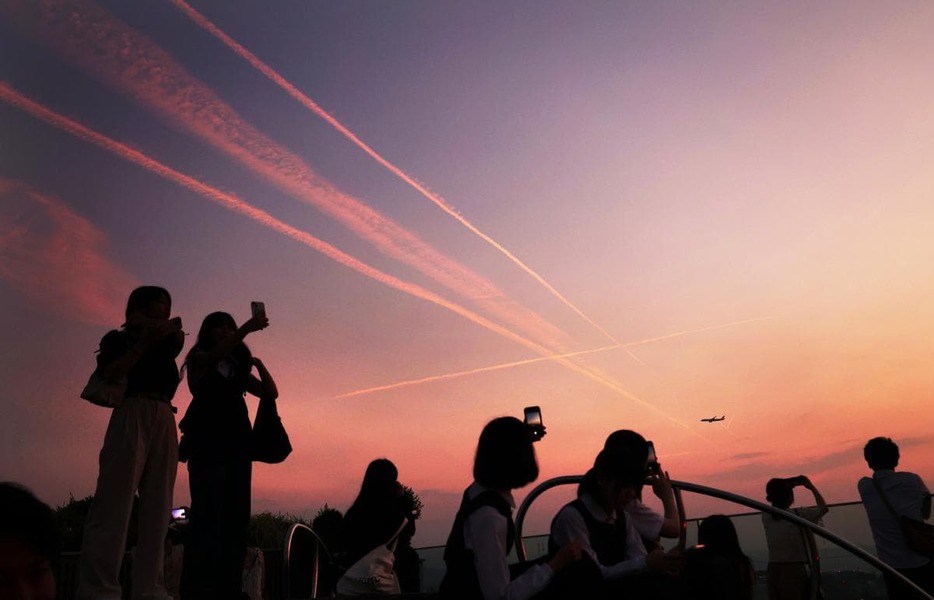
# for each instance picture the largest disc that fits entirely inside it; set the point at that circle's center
(483, 532)
(650, 524)
(607, 537)
(373, 520)
(717, 568)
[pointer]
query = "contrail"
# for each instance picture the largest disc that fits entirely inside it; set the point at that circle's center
(232, 202)
(520, 363)
(88, 36)
(311, 105)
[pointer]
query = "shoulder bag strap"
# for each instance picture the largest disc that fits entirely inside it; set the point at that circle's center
(884, 498)
(391, 544)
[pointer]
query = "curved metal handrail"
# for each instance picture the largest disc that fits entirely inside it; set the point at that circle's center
(286, 559)
(731, 497)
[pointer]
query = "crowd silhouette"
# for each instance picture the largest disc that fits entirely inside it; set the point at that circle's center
(605, 543)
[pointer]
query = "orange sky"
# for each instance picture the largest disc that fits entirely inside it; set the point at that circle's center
(751, 187)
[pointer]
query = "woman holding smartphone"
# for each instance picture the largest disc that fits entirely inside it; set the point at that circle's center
(140, 452)
(483, 533)
(217, 446)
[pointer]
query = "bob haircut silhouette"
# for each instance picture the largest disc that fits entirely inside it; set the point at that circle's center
(630, 443)
(881, 453)
(141, 297)
(505, 458)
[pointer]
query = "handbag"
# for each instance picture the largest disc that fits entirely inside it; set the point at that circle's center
(373, 574)
(103, 392)
(270, 441)
(919, 536)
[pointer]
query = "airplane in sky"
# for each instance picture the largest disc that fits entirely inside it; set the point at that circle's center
(713, 419)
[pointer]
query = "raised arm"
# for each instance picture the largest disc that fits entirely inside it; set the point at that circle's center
(661, 486)
(226, 346)
(818, 498)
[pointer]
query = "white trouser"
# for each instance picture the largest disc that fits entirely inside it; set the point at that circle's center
(140, 453)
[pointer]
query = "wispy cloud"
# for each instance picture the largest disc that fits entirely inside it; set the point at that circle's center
(57, 258)
(85, 34)
(234, 203)
(433, 197)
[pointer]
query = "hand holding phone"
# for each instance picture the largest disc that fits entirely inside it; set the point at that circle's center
(258, 309)
(533, 420)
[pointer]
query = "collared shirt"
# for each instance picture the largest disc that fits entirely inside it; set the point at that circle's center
(647, 522)
(569, 526)
(906, 492)
(485, 535)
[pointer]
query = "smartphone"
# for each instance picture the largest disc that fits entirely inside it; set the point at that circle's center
(258, 309)
(533, 420)
(651, 461)
(180, 513)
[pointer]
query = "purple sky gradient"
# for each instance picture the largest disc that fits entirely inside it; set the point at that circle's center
(667, 168)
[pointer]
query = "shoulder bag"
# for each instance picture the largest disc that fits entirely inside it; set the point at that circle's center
(270, 440)
(373, 574)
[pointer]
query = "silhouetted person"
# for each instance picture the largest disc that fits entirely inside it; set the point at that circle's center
(909, 497)
(216, 440)
(649, 523)
(789, 574)
(29, 546)
(717, 568)
(483, 532)
(140, 451)
(597, 520)
(374, 517)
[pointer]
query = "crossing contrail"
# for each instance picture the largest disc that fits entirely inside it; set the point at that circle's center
(531, 361)
(312, 106)
(236, 204)
(87, 35)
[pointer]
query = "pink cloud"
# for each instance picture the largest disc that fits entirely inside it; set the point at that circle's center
(57, 258)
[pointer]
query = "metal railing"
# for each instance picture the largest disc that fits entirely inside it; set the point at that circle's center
(301, 562)
(737, 499)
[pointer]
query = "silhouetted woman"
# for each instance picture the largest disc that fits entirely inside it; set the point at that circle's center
(140, 450)
(217, 446)
(484, 532)
(717, 568)
(374, 517)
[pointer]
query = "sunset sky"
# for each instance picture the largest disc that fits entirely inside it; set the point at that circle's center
(635, 215)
